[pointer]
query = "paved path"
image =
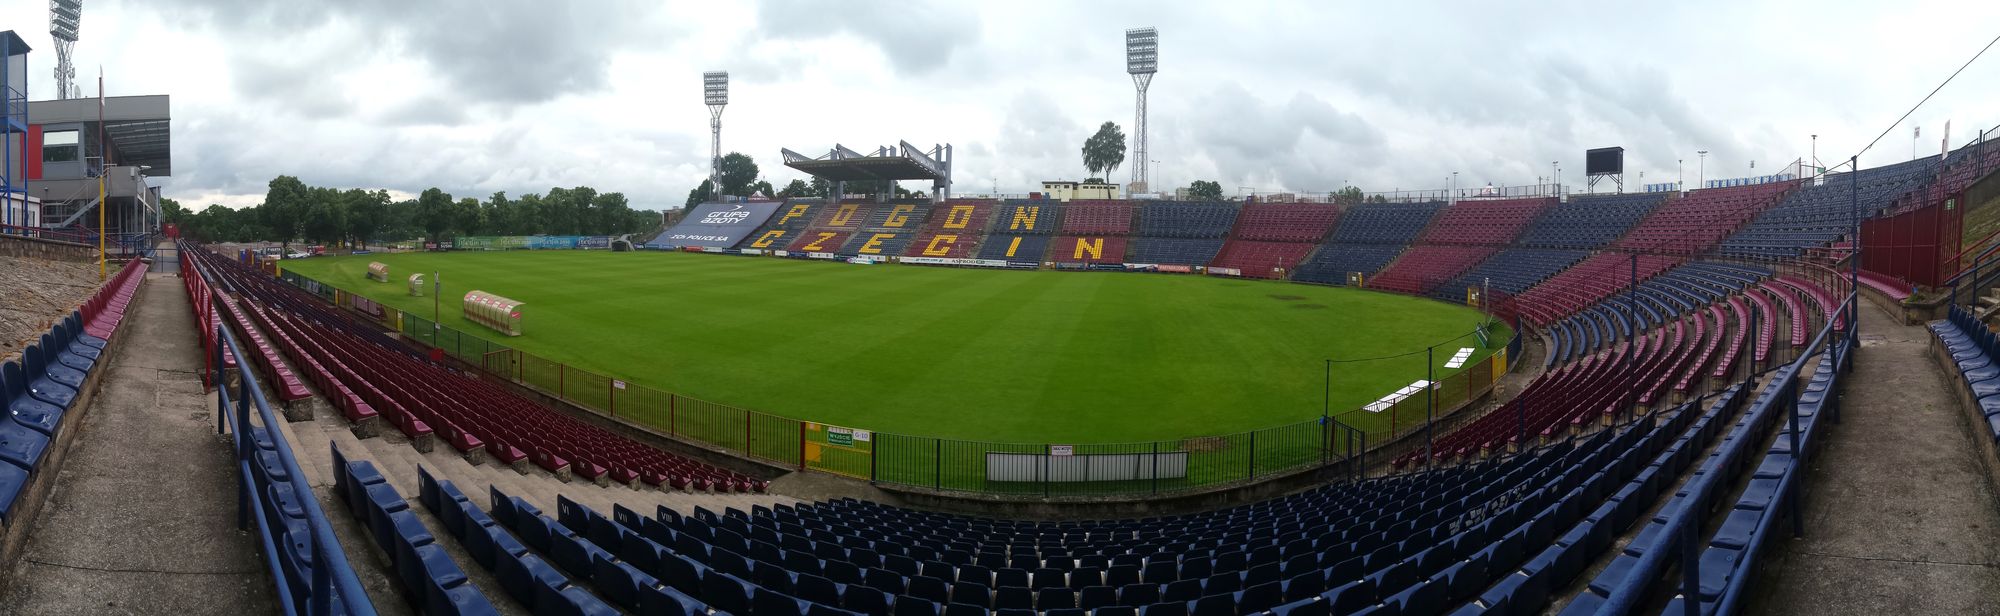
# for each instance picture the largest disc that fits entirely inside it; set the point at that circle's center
(143, 516)
(1900, 518)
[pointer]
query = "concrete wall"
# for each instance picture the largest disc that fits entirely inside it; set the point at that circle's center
(17, 246)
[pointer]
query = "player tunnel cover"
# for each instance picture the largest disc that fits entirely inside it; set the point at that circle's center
(717, 225)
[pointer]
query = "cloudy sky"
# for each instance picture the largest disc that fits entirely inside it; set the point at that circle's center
(521, 95)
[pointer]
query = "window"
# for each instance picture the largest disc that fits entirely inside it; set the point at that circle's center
(60, 147)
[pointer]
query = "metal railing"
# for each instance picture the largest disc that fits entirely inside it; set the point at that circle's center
(1682, 532)
(331, 573)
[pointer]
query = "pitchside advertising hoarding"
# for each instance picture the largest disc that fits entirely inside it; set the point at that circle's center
(717, 225)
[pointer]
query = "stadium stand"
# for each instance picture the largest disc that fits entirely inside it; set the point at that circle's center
(1097, 217)
(1015, 248)
(1028, 218)
(1088, 250)
(1818, 213)
(1175, 251)
(1333, 262)
(877, 243)
(1424, 267)
(1261, 259)
(1510, 271)
(1591, 280)
(366, 377)
(953, 231)
(784, 227)
(49, 380)
(427, 573)
(1589, 222)
(1417, 543)
(1483, 222)
(820, 240)
(1974, 350)
(1286, 222)
(1186, 220)
(1695, 223)
(1384, 223)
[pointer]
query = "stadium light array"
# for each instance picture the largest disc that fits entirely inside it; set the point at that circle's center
(715, 93)
(1142, 59)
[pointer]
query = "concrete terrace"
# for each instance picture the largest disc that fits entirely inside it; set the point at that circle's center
(1900, 517)
(143, 516)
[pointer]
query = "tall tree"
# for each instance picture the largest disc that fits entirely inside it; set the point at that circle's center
(1105, 150)
(171, 211)
(738, 173)
(284, 206)
(434, 212)
(1348, 196)
(797, 188)
(1205, 190)
(701, 194)
(465, 217)
(761, 187)
(367, 212)
(611, 215)
(325, 218)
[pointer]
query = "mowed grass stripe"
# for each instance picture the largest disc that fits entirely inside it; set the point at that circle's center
(1016, 356)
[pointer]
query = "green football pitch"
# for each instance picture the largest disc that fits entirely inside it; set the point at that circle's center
(976, 354)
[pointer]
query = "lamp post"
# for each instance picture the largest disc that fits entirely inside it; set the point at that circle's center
(1701, 168)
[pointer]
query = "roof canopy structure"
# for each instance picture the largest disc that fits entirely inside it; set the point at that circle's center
(902, 162)
(136, 127)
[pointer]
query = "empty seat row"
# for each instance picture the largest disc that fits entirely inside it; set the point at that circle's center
(51, 378)
(428, 574)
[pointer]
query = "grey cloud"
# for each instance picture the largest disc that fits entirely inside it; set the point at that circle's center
(1302, 143)
(497, 52)
(917, 37)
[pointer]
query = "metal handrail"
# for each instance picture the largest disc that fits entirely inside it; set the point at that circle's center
(1683, 527)
(331, 572)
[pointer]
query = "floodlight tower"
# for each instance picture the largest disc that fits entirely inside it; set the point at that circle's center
(715, 92)
(1142, 59)
(65, 18)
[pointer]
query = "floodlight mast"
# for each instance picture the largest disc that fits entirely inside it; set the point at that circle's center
(65, 20)
(1142, 59)
(715, 93)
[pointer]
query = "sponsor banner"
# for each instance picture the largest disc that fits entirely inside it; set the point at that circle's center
(1177, 269)
(819, 255)
(718, 225)
(846, 437)
(594, 242)
(362, 252)
(781, 253)
(750, 252)
(711, 249)
(553, 242)
(690, 249)
(959, 262)
(1225, 271)
(1062, 450)
(861, 260)
(1142, 267)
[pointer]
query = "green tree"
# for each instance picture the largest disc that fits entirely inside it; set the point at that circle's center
(325, 218)
(434, 213)
(797, 188)
(762, 187)
(284, 208)
(171, 211)
(1348, 196)
(1205, 190)
(739, 173)
(465, 216)
(701, 194)
(366, 214)
(611, 215)
(1104, 151)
